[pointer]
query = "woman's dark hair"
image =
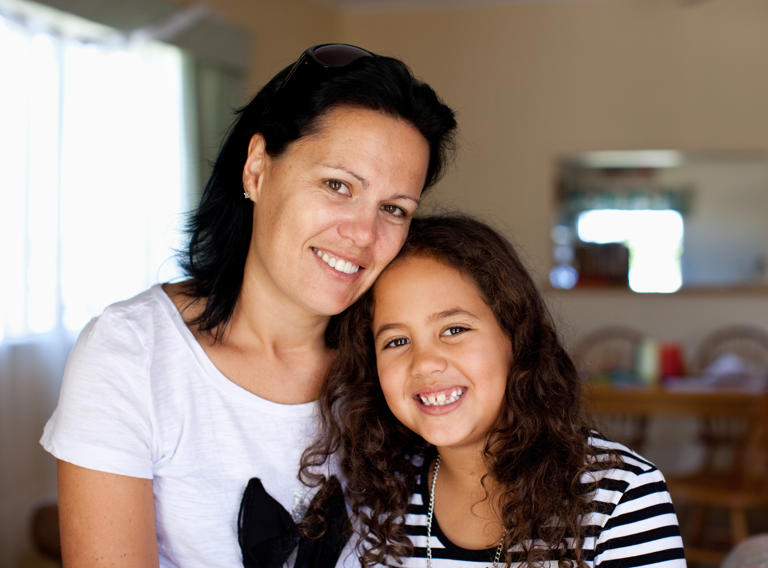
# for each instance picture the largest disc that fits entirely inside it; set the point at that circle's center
(220, 228)
(537, 451)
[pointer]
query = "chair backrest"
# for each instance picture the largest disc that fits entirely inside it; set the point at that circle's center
(608, 353)
(748, 342)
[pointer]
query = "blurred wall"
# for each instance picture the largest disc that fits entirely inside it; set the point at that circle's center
(532, 80)
(281, 29)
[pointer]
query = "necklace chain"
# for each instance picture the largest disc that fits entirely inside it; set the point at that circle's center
(431, 513)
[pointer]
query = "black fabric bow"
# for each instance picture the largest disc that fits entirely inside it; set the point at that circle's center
(267, 533)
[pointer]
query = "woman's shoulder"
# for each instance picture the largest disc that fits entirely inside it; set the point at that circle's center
(146, 300)
(136, 321)
(181, 294)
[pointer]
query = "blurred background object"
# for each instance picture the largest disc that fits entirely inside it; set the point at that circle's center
(750, 553)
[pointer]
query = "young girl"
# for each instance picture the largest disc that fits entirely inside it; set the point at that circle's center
(455, 414)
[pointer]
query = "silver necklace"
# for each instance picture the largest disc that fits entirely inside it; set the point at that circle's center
(431, 512)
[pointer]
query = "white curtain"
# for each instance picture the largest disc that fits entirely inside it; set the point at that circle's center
(92, 195)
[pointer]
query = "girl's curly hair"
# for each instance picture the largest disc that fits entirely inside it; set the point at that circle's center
(538, 450)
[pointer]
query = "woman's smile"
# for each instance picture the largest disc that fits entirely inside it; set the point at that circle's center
(337, 263)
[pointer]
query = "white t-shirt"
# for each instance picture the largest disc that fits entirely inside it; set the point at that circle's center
(141, 398)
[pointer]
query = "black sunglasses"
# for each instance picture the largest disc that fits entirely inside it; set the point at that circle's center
(325, 56)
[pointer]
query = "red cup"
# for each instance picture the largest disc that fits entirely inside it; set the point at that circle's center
(670, 361)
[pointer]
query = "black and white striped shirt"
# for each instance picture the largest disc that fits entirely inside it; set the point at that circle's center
(632, 523)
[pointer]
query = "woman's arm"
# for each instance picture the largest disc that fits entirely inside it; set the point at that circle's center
(105, 519)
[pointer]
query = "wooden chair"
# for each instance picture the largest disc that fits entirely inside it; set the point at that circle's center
(719, 436)
(609, 354)
(733, 477)
(736, 490)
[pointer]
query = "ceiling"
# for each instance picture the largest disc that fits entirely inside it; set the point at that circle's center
(194, 27)
(399, 4)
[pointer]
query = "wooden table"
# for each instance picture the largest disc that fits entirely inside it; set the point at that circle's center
(723, 417)
(603, 399)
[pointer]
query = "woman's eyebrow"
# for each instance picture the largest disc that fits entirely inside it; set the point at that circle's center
(363, 181)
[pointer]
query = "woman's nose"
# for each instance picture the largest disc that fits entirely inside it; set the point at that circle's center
(427, 362)
(359, 227)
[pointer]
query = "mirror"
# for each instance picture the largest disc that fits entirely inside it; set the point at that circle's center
(660, 221)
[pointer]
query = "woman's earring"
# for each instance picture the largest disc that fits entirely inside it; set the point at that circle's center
(245, 194)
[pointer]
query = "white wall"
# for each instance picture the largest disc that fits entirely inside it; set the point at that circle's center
(531, 81)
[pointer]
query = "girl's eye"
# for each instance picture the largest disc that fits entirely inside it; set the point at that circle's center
(338, 186)
(396, 342)
(394, 210)
(455, 330)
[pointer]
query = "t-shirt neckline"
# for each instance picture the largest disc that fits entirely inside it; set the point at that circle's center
(219, 379)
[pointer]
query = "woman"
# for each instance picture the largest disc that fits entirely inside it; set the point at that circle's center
(174, 399)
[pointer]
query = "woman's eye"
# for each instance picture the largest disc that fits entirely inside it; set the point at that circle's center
(395, 210)
(338, 186)
(397, 342)
(454, 330)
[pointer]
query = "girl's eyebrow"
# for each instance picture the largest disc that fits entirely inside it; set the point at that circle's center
(433, 317)
(386, 327)
(452, 312)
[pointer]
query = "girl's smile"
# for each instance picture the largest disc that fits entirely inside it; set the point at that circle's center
(442, 358)
(440, 401)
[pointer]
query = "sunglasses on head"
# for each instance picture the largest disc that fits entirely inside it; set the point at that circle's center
(325, 56)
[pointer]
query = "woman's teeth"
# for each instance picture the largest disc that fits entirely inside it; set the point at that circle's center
(337, 263)
(441, 398)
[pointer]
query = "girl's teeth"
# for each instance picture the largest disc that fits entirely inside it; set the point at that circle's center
(441, 398)
(337, 263)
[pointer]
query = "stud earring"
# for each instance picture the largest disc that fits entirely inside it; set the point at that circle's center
(246, 195)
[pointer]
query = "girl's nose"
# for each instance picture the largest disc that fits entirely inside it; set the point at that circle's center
(427, 362)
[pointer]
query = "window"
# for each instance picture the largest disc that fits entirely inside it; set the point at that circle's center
(93, 169)
(653, 239)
